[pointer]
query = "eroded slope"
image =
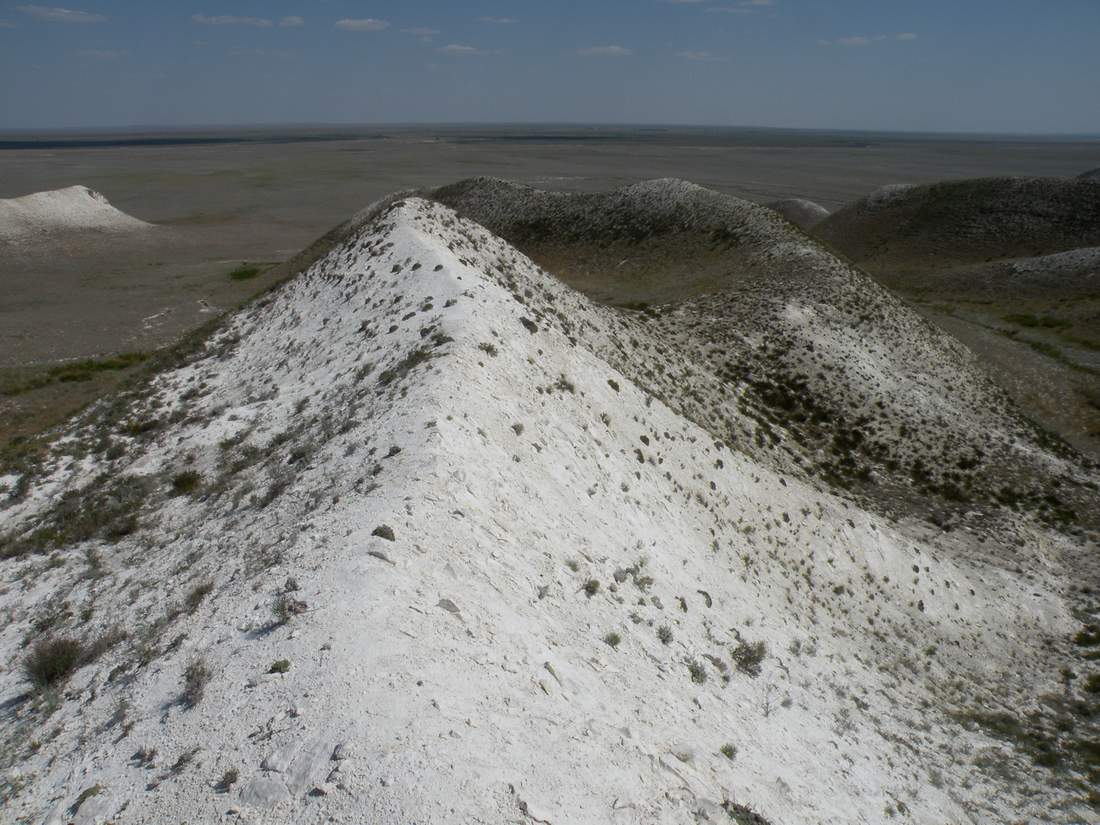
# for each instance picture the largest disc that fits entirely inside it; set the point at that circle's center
(402, 543)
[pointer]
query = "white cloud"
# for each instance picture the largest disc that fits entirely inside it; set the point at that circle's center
(858, 41)
(367, 24)
(231, 20)
(291, 22)
(100, 54)
(700, 56)
(53, 14)
(459, 50)
(604, 51)
(497, 20)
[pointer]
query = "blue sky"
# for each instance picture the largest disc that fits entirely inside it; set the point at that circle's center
(963, 65)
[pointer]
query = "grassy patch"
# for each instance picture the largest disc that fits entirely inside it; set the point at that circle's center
(245, 272)
(1038, 321)
(75, 372)
(52, 660)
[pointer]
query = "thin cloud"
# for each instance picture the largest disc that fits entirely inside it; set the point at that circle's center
(700, 56)
(500, 21)
(605, 51)
(859, 41)
(100, 54)
(420, 31)
(460, 50)
(232, 20)
(744, 7)
(7, 24)
(367, 24)
(52, 14)
(291, 22)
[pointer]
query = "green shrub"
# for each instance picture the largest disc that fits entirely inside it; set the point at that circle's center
(195, 679)
(245, 272)
(186, 483)
(748, 657)
(51, 661)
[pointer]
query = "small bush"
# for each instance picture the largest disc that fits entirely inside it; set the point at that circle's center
(613, 639)
(664, 633)
(384, 531)
(284, 608)
(244, 273)
(228, 780)
(186, 483)
(51, 661)
(729, 751)
(281, 666)
(591, 588)
(748, 656)
(195, 679)
(697, 671)
(200, 592)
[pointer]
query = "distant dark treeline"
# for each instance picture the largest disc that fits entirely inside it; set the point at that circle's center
(123, 142)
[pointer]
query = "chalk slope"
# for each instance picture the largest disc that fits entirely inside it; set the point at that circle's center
(444, 547)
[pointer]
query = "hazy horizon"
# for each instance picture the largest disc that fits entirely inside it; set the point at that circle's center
(987, 68)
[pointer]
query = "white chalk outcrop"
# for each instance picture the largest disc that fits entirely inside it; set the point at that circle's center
(512, 585)
(74, 209)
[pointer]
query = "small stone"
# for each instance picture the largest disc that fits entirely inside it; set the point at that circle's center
(448, 605)
(341, 752)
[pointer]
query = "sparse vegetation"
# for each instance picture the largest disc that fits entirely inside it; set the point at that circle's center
(186, 483)
(613, 639)
(197, 594)
(748, 657)
(245, 272)
(698, 671)
(280, 666)
(195, 678)
(52, 660)
(228, 780)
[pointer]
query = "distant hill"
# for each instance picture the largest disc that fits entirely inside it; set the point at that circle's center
(943, 225)
(802, 213)
(60, 211)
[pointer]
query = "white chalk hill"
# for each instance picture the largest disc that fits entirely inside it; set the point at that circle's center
(513, 586)
(75, 208)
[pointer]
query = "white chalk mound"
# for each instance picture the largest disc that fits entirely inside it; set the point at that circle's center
(802, 213)
(75, 208)
(401, 544)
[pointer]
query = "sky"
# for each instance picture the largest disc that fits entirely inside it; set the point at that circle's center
(1013, 66)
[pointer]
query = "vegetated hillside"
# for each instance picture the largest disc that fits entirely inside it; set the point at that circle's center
(802, 213)
(1061, 276)
(425, 535)
(941, 225)
(76, 208)
(1092, 175)
(787, 352)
